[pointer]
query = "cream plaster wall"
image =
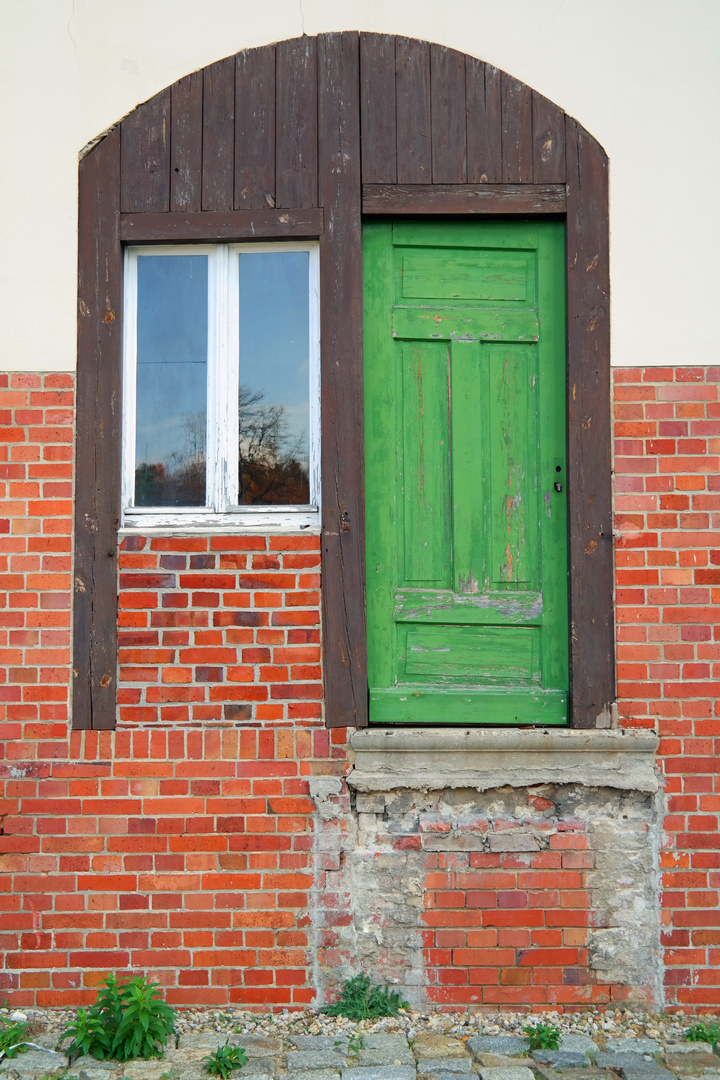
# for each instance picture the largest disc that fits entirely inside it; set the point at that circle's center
(641, 75)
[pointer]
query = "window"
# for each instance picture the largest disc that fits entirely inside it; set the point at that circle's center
(221, 386)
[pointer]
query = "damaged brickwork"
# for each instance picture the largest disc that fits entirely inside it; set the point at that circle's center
(525, 896)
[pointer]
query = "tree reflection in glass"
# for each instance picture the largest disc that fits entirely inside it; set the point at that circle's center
(273, 399)
(172, 337)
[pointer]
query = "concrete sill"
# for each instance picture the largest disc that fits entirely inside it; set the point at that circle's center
(425, 760)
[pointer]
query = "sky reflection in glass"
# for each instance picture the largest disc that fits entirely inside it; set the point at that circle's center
(172, 333)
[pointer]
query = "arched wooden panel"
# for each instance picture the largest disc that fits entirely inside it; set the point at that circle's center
(298, 139)
(429, 115)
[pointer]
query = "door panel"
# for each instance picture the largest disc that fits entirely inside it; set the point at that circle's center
(425, 463)
(465, 446)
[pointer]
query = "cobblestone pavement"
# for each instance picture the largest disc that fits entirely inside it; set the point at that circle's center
(307, 1046)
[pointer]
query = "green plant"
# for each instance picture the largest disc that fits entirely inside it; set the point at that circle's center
(12, 1038)
(543, 1036)
(223, 1060)
(360, 1001)
(702, 1032)
(128, 1020)
(356, 1044)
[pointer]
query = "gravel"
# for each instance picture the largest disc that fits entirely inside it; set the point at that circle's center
(602, 1027)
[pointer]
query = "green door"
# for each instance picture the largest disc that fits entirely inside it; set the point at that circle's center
(465, 472)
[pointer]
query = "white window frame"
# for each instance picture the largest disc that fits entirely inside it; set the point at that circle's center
(221, 513)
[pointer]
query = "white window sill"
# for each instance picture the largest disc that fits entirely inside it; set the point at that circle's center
(427, 760)
(258, 521)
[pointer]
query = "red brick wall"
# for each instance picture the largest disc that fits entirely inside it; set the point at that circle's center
(181, 844)
(510, 928)
(36, 451)
(184, 843)
(221, 628)
(667, 484)
(184, 853)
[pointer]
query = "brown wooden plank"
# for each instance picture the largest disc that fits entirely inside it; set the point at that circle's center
(343, 511)
(296, 122)
(484, 122)
(589, 458)
(228, 225)
(186, 143)
(255, 128)
(548, 133)
(97, 486)
(448, 116)
(517, 163)
(464, 199)
(145, 184)
(378, 138)
(412, 105)
(218, 149)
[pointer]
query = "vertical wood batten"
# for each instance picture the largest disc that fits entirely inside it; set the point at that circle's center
(145, 138)
(378, 139)
(218, 135)
(516, 131)
(296, 124)
(448, 116)
(97, 483)
(345, 665)
(484, 123)
(548, 133)
(186, 143)
(589, 457)
(412, 99)
(255, 129)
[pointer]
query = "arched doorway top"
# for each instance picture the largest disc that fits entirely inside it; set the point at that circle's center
(245, 132)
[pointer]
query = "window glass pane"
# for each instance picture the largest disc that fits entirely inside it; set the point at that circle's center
(171, 410)
(274, 378)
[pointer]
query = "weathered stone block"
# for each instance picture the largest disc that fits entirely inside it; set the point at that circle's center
(496, 1060)
(313, 1074)
(582, 1044)
(511, 1045)
(381, 1072)
(632, 1046)
(444, 1064)
(439, 1046)
(694, 1057)
(516, 1073)
(381, 1049)
(651, 1071)
(34, 1063)
(261, 1046)
(451, 1075)
(145, 1070)
(546, 1072)
(315, 1059)
(561, 1059)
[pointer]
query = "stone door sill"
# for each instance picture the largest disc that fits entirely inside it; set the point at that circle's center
(428, 760)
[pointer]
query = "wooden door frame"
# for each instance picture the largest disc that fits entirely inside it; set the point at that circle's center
(267, 144)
